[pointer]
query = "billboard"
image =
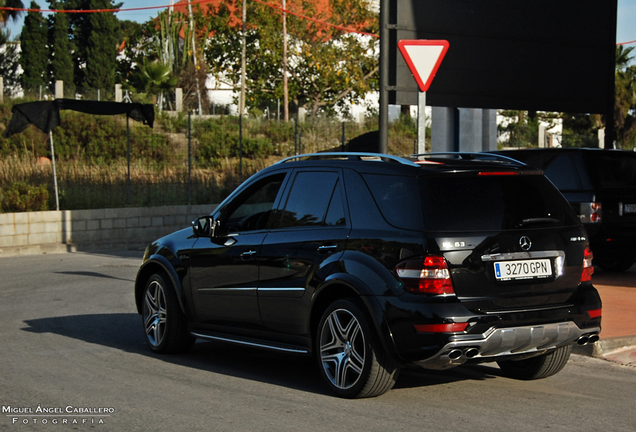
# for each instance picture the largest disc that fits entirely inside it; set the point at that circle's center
(542, 55)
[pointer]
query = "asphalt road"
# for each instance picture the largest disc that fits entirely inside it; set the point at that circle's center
(72, 356)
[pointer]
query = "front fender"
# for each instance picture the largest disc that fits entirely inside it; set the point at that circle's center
(157, 263)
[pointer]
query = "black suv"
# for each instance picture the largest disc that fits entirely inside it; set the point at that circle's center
(601, 187)
(369, 262)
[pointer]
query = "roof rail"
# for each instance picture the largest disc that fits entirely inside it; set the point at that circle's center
(485, 156)
(350, 156)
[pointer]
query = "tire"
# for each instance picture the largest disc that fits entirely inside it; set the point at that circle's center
(165, 325)
(615, 264)
(538, 367)
(349, 356)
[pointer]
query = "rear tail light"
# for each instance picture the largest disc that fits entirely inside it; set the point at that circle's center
(588, 268)
(590, 212)
(429, 275)
(595, 313)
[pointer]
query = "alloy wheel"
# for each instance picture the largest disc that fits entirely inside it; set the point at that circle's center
(342, 349)
(155, 313)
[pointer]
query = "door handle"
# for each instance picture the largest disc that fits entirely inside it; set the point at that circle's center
(248, 254)
(327, 248)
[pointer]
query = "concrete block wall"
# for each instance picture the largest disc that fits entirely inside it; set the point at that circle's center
(125, 228)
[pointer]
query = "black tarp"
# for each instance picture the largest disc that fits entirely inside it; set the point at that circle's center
(45, 115)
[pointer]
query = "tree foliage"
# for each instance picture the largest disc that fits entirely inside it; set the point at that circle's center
(9, 63)
(6, 15)
(625, 101)
(101, 46)
(328, 68)
(34, 56)
(60, 50)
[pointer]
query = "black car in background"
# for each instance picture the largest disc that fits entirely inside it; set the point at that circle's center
(601, 187)
(369, 262)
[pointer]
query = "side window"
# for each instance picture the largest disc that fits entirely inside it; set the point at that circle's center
(336, 214)
(562, 172)
(253, 208)
(310, 198)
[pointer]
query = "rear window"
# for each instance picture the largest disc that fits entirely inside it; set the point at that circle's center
(397, 199)
(612, 170)
(492, 203)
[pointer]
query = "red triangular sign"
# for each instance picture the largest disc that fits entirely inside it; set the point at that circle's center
(423, 57)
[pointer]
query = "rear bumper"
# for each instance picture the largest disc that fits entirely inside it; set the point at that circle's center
(520, 342)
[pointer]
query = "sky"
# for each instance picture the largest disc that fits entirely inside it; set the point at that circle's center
(625, 32)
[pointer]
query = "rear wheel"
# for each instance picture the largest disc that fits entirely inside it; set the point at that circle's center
(165, 325)
(350, 358)
(537, 367)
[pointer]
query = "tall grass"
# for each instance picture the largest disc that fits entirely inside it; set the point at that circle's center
(167, 168)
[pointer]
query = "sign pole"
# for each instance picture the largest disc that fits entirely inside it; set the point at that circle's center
(57, 195)
(421, 123)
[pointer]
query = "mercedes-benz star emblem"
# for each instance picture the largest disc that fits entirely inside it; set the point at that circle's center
(525, 243)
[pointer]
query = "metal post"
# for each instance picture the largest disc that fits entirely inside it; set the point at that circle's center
(295, 136)
(189, 159)
(241, 147)
(128, 192)
(342, 141)
(421, 123)
(384, 77)
(57, 195)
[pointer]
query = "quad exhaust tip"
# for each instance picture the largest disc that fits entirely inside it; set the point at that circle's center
(587, 339)
(457, 354)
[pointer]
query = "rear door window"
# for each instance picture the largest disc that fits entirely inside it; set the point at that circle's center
(314, 200)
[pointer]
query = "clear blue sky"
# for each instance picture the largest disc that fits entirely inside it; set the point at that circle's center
(626, 28)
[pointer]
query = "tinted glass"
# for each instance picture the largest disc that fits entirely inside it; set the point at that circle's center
(335, 214)
(563, 174)
(309, 199)
(398, 199)
(492, 203)
(251, 209)
(611, 170)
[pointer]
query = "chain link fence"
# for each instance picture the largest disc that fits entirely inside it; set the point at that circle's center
(109, 162)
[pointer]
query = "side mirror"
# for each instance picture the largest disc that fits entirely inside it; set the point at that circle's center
(204, 226)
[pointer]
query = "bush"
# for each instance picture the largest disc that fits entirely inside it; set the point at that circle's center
(20, 197)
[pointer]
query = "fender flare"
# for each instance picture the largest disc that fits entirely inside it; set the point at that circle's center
(153, 265)
(371, 305)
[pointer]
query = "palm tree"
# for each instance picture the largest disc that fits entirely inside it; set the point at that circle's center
(5, 15)
(154, 78)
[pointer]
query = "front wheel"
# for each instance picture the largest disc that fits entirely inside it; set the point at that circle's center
(538, 367)
(350, 358)
(165, 325)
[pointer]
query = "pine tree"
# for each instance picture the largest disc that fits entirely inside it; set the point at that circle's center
(101, 46)
(34, 57)
(61, 50)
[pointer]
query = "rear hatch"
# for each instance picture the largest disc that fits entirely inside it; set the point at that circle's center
(511, 240)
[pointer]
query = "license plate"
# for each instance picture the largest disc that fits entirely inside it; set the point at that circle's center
(526, 269)
(630, 208)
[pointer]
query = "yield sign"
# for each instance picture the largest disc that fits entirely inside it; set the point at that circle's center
(423, 57)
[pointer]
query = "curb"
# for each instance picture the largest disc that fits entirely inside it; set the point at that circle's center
(38, 249)
(618, 349)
